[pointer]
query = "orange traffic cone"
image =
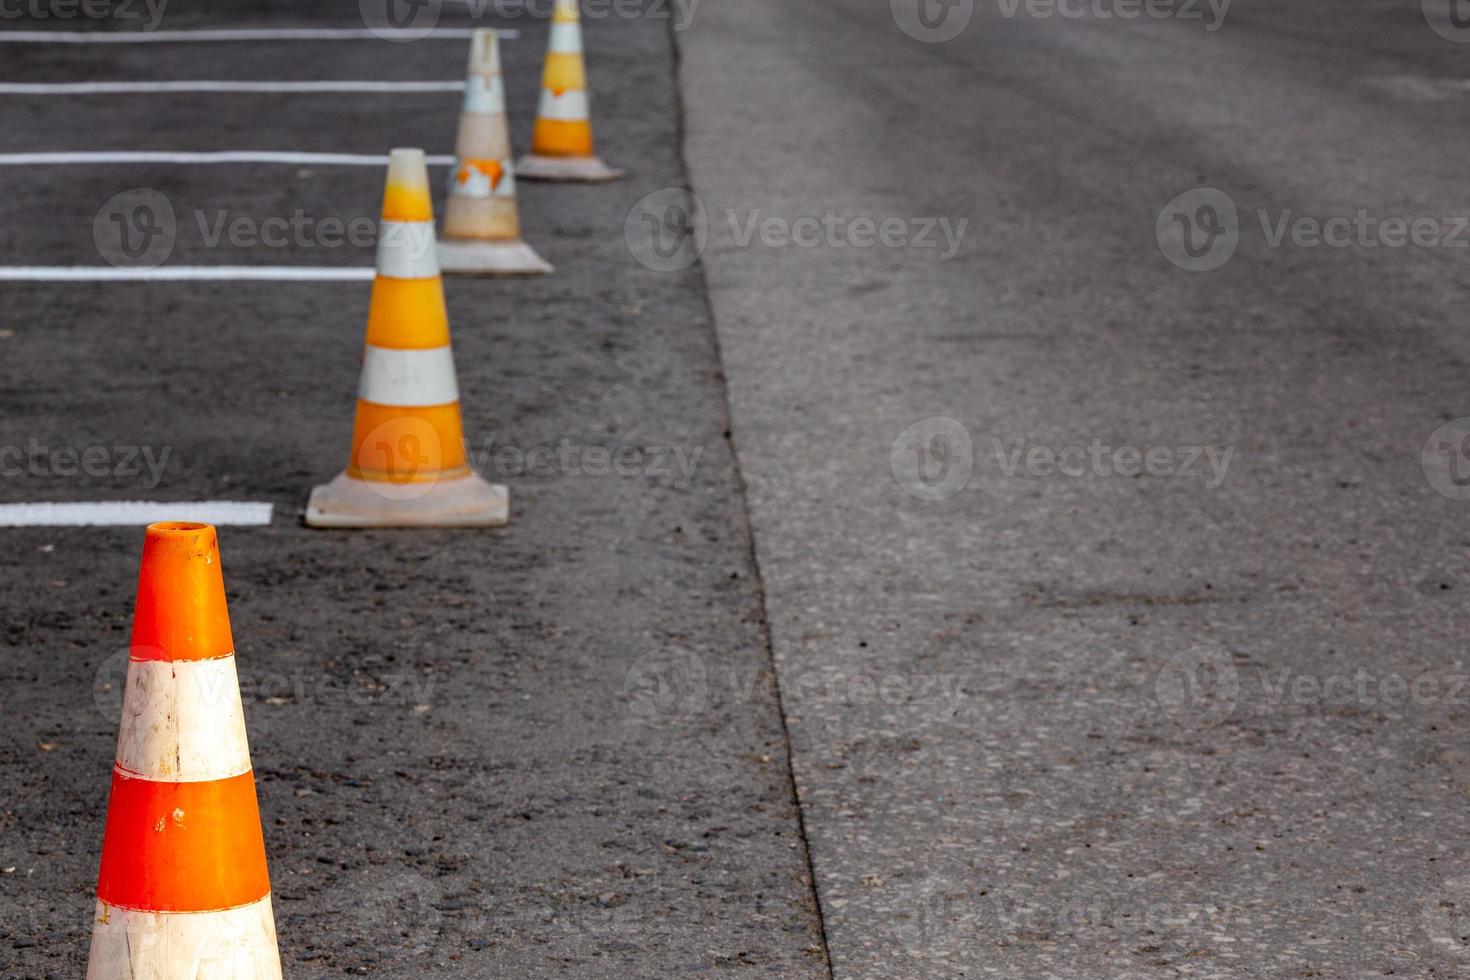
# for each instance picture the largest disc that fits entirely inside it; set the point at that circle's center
(183, 892)
(482, 226)
(408, 465)
(561, 146)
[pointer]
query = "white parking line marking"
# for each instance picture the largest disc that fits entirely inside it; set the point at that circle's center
(231, 156)
(135, 512)
(186, 273)
(261, 34)
(122, 88)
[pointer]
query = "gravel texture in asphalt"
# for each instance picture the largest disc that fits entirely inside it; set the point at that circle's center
(465, 765)
(1143, 748)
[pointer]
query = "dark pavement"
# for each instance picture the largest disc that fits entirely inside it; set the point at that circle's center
(455, 778)
(1162, 761)
(1085, 462)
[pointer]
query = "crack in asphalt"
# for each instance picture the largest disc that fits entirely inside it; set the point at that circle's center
(758, 581)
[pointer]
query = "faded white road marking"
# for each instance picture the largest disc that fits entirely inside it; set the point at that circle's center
(1422, 89)
(135, 512)
(83, 157)
(258, 34)
(185, 273)
(126, 88)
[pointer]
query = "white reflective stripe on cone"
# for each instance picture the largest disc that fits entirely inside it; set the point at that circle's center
(238, 944)
(566, 38)
(407, 250)
(471, 181)
(204, 739)
(484, 96)
(408, 378)
(567, 107)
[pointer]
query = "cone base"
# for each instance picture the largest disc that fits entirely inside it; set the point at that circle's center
(464, 502)
(583, 170)
(236, 943)
(468, 257)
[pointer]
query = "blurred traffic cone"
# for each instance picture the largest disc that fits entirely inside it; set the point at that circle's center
(561, 146)
(408, 466)
(482, 226)
(183, 893)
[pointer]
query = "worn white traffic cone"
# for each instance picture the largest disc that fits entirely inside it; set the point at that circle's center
(482, 226)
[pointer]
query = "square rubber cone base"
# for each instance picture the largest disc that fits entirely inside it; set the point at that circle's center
(576, 170)
(468, 501)
(465, 257)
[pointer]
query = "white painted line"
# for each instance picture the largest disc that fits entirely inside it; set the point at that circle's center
(231, 156)
(261, 34)
(185, 273)
(135, 512)
(125, 88)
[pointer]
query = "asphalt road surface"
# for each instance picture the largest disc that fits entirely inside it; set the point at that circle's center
(453, 780)
(1182, 747)
(1064, 577)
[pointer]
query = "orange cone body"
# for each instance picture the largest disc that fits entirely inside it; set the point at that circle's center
(561, 145)
(482, 227)
(183, 892)
(408, 465)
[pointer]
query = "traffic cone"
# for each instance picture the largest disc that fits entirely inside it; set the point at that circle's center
(183, 893)
(482, 227)
(408, 465)
(561, 146)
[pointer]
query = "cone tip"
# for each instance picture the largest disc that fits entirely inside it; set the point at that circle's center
(181, 611)
(185, 536)
(407, 196)
(408, 166)
(485, 51)
(178, 527)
